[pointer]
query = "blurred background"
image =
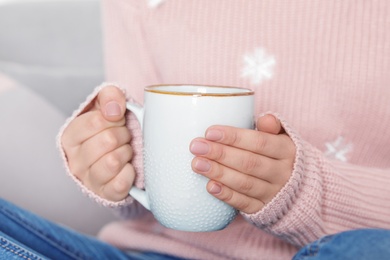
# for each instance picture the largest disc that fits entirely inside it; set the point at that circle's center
(50, 60)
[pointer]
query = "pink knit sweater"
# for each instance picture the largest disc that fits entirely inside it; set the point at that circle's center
(322, 66)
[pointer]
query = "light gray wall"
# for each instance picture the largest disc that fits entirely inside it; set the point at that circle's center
(53, 50)
(53, 47)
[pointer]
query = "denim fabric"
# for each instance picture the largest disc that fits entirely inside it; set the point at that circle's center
(24, 235)
(364, 244)
(11, 249)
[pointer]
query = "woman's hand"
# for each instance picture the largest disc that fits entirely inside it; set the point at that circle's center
(96, 144)
(246, 168)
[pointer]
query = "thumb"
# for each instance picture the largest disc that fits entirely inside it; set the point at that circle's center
(269, 124)
(111, 101)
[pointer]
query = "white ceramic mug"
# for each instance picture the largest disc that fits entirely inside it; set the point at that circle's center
(172, 116)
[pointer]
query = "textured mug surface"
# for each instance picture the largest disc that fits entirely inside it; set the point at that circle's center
(171, 118)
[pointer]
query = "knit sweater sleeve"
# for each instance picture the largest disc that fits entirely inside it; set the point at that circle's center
(325, 197)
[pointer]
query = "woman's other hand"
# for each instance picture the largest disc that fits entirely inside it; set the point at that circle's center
(96, 144)
(246, 168)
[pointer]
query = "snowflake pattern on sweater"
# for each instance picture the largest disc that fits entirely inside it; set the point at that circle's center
(258, 66)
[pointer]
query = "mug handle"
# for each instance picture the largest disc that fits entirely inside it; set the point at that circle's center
(136, 193)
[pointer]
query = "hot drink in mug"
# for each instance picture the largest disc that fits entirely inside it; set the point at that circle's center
(172, 116)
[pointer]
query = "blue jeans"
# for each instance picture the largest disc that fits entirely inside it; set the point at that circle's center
(356, 244)
(24, 235)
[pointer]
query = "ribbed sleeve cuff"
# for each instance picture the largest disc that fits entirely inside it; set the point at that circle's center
(324, 197)
(290, 212)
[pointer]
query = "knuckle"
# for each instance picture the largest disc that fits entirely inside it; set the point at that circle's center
(246, 185)
(65, 141)
(250, 163)
(235, 138)
(217, 172)
(260, 143)
(227, 196)
(120, 186)
(243, 205)
(219, 153)
(129, 152)
(253, 207)
(126, 134)
(113, 163)
(75, 170)
(76, 167)
(96, 123)
(109, 140)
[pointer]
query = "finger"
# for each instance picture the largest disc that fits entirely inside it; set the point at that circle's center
(118, 188)
(274, 146)
(98, 145)
(111, 101)
(107, 167)
(236, 200)
(269, 124)
(259, 166)
(251, 186)
(84, 127)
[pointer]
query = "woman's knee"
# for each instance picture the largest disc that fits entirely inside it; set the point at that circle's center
(353, 244)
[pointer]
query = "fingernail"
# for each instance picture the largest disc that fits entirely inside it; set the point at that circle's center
(112, 109)
(215, 189)
(214, 135)
(199, 148)
(202, 165)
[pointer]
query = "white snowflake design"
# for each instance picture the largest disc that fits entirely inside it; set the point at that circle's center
(155, 3)
(258, 66)
(338, 149)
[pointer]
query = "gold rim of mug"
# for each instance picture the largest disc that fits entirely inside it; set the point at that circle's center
(154, 89)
